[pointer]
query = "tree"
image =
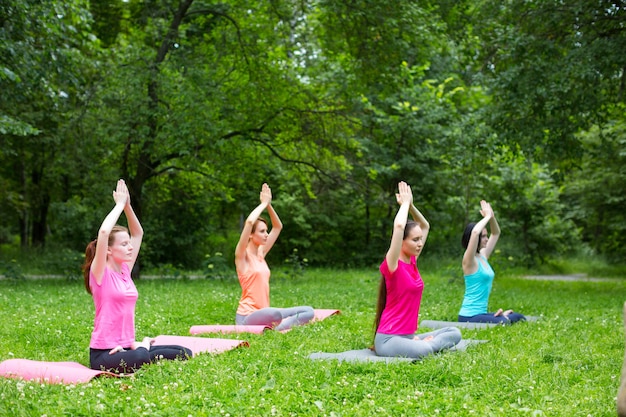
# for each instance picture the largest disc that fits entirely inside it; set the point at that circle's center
(43, 72)
(597, 191)
(551, 66)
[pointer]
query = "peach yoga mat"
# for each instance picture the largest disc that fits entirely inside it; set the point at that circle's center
(320, 314)
(200, 345)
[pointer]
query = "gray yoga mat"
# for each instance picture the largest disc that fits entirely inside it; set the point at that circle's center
(437, 324)
(368, 355)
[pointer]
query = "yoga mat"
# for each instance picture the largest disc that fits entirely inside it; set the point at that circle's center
(323, 313)
(368, 355)
(49, 372)
(228, 328)
(200, 345)
(320, 314)
(437, 324)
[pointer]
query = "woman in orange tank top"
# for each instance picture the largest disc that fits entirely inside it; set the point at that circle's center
(254, 275)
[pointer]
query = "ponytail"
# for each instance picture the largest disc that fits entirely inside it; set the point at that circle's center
(90, 253)
(381, 303)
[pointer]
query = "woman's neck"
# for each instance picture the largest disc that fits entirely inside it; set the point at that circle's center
(114, 266)
(252, 249)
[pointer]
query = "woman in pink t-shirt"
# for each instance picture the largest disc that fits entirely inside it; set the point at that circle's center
(400, 291)
(108, 262)
(254, 275)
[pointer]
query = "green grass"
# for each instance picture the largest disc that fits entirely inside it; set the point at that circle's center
(567, 364)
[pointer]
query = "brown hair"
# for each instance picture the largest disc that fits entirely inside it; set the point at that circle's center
(260, 219)
(90, 253)
(381, 303)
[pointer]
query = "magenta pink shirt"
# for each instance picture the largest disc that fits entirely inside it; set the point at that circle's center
(114, 300)
(404, 295)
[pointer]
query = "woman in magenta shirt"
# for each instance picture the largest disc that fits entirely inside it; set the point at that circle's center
(108, 262)
(401, 286)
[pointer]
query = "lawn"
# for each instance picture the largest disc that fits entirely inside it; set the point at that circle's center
(566, 364)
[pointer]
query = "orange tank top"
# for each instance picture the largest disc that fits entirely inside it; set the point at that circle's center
(255, 286)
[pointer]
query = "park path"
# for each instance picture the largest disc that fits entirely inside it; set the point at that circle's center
(570, 277)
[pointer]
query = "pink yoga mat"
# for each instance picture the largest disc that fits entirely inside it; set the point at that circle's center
(201, 344)
(49, 372)
(320, 314)
(74, 372)
(227, 328)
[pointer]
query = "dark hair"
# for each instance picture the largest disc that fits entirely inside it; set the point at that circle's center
(467, 234)
(381, 303)
(410, 225)
(260, 219)
(90, 253)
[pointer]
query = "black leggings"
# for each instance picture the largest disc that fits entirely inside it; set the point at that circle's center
(129, 360)
(492, 318)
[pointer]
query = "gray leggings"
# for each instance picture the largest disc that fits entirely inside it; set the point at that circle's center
(405, 345)
(278, 318)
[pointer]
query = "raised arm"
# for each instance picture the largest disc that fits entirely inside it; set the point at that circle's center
(469, 257)
(240, 250)
(405, 200)
(494, 235)
(421, 220)
(120, 196)
(135, 229)
(277, 227)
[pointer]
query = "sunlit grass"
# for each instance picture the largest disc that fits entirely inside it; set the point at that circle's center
(567, 364)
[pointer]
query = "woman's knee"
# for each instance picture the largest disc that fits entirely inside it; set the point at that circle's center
(454, 333)
(403, 347)
(274, 315)
(308, 313)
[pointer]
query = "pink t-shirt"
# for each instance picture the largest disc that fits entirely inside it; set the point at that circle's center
(404, 295)
(255, 286)
(114, 300)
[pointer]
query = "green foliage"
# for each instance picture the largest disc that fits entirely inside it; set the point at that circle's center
(530, 210)
(196, 104)
(11, 270)
(597, 191)
(550, 67)
(47, 57)
(217, 266)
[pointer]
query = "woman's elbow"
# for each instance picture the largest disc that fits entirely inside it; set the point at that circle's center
(399, 226)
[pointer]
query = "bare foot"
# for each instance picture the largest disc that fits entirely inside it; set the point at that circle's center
(499, 312)
(145, 343)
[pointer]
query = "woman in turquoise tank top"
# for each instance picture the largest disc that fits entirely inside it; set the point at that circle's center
(479, 274)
